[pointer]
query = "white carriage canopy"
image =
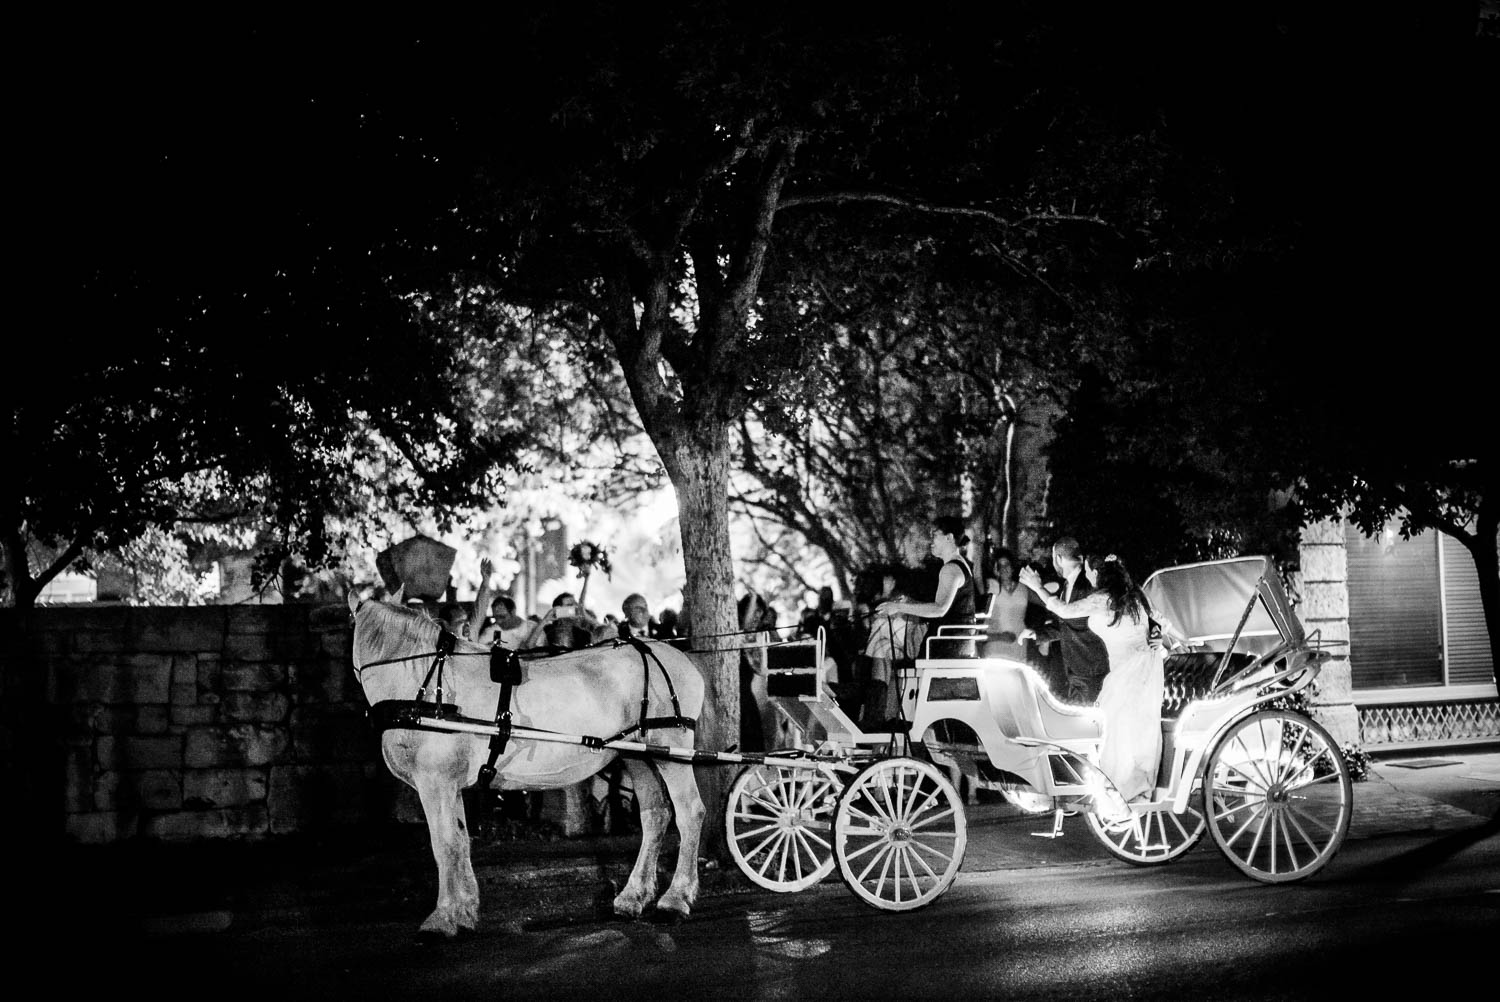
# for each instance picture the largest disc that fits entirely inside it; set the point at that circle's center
(1204, 605)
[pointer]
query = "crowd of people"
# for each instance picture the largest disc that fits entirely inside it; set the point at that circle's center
(1077, 619)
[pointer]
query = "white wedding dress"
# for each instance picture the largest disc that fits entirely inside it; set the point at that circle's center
(1130, 696)
(1131, 700)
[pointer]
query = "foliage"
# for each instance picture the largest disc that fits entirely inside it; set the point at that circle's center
(252, 361)
(1314, 357)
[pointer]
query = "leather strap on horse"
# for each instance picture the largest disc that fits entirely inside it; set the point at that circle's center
(445, 644)
(505, 668)
(647, 723)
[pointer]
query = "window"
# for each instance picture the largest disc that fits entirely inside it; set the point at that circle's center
(1395, 610)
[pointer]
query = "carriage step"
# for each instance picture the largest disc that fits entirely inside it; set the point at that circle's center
(1057, 829)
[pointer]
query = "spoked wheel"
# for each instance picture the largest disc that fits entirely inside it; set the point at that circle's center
(1278, 796)
(899, 834)
(1154, 835)
(779, 822)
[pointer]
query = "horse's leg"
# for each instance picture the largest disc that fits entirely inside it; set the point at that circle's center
(458, 890)
(682, 787)
(640, 889)
(578, 819)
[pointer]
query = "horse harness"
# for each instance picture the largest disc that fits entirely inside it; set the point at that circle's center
(505, 669)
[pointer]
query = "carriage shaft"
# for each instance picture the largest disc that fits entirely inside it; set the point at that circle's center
(640, 749)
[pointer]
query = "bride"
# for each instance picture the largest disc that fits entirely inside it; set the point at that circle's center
(1132, 691)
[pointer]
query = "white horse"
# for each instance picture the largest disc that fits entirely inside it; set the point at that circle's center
(595, 692)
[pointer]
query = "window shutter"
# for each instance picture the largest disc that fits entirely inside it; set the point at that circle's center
(1395, 619)
(1470, 660)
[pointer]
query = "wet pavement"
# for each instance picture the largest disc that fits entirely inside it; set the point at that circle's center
(159, 889)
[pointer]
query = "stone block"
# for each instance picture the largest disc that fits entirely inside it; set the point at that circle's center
(1342, 722)
(227, 822)
(150, 789)
(260, 676)
(325, 680)
(328, 617)
(78, 778)
(96, 642)
(1332, 684)
(152, 719)
(185, 671)
(209, 669)
(102, 718)
(184, 695)
(255, 707)
(339, 646)
(1325, 563)
(1324, 600)
(263, 646)
(194, 716)
(241, 745)
(1328, 531)
(168, 629)
(285, 620)
(138, 678)
(1329, 631)
(126, 753)
(210, 788)
(93, 827)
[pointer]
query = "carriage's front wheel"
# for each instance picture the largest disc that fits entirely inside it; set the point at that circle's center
(779, 822)
(1277, 796)
(899, 834)
(1154, 834)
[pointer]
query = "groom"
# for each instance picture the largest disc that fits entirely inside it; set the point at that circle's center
(1085, 661)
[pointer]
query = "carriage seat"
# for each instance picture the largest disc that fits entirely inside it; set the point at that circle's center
(1024, 708)
(1188, 677)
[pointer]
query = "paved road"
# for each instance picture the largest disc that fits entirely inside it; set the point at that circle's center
(1387, 909)
(166, 890)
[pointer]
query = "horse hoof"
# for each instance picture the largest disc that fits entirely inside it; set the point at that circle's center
(432, 937)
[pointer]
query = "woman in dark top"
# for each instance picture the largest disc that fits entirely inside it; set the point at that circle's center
(953, 601)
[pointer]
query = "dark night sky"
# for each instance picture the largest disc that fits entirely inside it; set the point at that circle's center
(1367, 131)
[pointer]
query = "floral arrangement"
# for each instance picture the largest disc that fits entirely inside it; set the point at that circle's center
(586, 555)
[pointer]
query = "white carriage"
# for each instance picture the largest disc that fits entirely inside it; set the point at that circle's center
(1268, 782)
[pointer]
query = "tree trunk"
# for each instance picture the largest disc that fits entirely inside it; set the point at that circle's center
(697, 460)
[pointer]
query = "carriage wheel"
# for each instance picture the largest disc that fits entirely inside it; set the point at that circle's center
(779, 822)
(899, 834)
(1277, 796)
(1154, 835)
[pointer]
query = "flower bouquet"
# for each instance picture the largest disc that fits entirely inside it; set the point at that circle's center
(586, 556)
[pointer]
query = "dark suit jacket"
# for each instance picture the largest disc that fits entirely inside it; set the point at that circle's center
(1084, 660)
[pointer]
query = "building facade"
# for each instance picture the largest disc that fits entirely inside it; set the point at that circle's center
(1419, 671)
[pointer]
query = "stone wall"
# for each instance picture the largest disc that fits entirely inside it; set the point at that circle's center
(175, 724)
(1323, 607)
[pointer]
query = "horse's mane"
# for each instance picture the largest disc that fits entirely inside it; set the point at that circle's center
(395, 628)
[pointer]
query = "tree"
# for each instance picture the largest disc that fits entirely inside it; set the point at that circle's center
(249, 362)
(634, 174)
(1334, 360)
(909, 409)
